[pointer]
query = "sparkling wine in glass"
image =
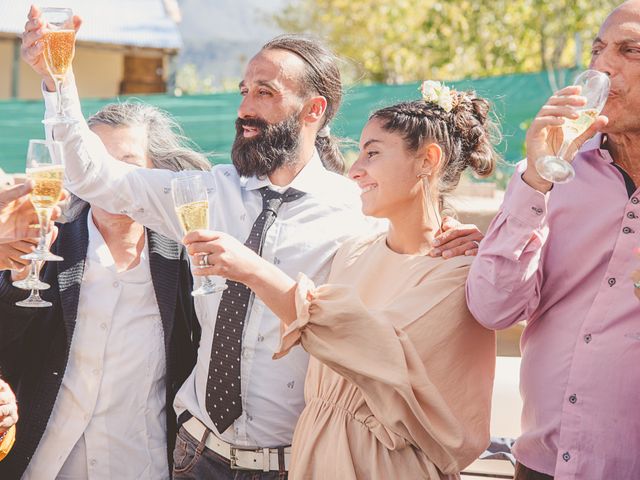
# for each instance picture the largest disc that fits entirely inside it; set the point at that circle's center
(45, 169)
(192, 206)
(595, 88)
(59, 47)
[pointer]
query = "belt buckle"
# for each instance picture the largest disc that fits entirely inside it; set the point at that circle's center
(233, 459)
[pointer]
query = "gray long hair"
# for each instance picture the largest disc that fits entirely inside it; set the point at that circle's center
(168, 148)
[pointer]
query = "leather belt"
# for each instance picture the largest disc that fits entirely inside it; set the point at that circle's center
(264, 459)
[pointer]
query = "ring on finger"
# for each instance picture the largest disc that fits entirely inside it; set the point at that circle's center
(476, 243)
(204, 261)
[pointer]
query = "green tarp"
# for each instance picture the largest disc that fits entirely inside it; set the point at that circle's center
(209, 119)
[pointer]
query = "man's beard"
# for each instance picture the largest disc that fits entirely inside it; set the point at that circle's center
(276, 145)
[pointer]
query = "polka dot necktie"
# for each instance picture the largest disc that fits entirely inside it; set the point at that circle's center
(224, 402)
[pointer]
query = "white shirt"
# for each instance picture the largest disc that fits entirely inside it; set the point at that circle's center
(109, 420)
(304, 238)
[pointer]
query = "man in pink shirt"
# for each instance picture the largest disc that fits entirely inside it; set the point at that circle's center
(561, 258)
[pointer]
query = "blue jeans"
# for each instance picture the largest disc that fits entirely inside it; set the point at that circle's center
(192, 460)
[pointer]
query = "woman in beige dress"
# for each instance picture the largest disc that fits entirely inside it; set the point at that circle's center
(400, 374)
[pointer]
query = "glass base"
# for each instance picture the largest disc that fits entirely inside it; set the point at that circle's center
(206, 289)
(34, 301)
(31, 284)
(42, 256)
(59, 121)
(555, 169)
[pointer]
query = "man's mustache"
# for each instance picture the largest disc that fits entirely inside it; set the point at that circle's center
(251, 122)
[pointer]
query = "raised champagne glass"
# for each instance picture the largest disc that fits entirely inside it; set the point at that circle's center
(45, 168)
(59, 47)
(192, 206)
(595, 88)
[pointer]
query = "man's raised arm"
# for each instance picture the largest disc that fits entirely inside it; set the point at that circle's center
(90, 172)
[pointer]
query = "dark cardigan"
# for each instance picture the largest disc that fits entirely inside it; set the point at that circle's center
(35, 342)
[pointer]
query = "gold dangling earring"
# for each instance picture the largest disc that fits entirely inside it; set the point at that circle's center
(429, 200)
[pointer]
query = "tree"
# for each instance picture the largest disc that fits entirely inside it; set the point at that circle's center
(394, 41)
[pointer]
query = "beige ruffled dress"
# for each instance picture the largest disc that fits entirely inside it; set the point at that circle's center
(400, 375)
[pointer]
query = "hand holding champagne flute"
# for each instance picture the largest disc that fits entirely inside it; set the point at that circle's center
(59, 47)
(50, 29)
(192, 206)
(594, 88)
(45, 169)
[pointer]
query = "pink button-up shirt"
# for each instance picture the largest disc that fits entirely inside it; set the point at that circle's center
(562, 261)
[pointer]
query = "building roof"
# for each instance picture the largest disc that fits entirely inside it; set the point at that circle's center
(131, 23)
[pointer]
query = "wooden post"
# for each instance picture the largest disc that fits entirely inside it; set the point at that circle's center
(15, 68)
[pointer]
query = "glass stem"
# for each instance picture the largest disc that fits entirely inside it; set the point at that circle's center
(58, 83)
(564, 147)
(208, 282)
(33, 272)
(43, 219)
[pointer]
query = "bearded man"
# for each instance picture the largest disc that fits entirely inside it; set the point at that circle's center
(285, 195)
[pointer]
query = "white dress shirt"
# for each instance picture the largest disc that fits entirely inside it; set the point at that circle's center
(304, 238)
(108, 420)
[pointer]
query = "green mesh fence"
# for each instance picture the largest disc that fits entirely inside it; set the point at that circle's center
(209, 119)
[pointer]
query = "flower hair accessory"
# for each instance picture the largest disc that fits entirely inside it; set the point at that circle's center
(438, 93)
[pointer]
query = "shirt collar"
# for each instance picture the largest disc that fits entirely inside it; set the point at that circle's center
(99, 250)
(306, 180)
(594, 143)
(595, 147)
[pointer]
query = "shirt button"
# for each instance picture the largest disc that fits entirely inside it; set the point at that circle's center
(93, 462)
(587, 338)
(573, 399)
(627, 230)
(635, 200)
(536, 210)
(566, 457)
(116, 284)
(103, 326)
(631, 215)
(611, 282)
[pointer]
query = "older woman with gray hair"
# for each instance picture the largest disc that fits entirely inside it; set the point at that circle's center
(98, 370)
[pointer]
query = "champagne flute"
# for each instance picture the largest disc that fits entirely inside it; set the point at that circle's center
(34, 299)
(59, 47)
(46, 170)
(192, 206)
(595, 88)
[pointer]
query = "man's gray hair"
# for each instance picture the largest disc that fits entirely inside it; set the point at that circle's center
(167, 148)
